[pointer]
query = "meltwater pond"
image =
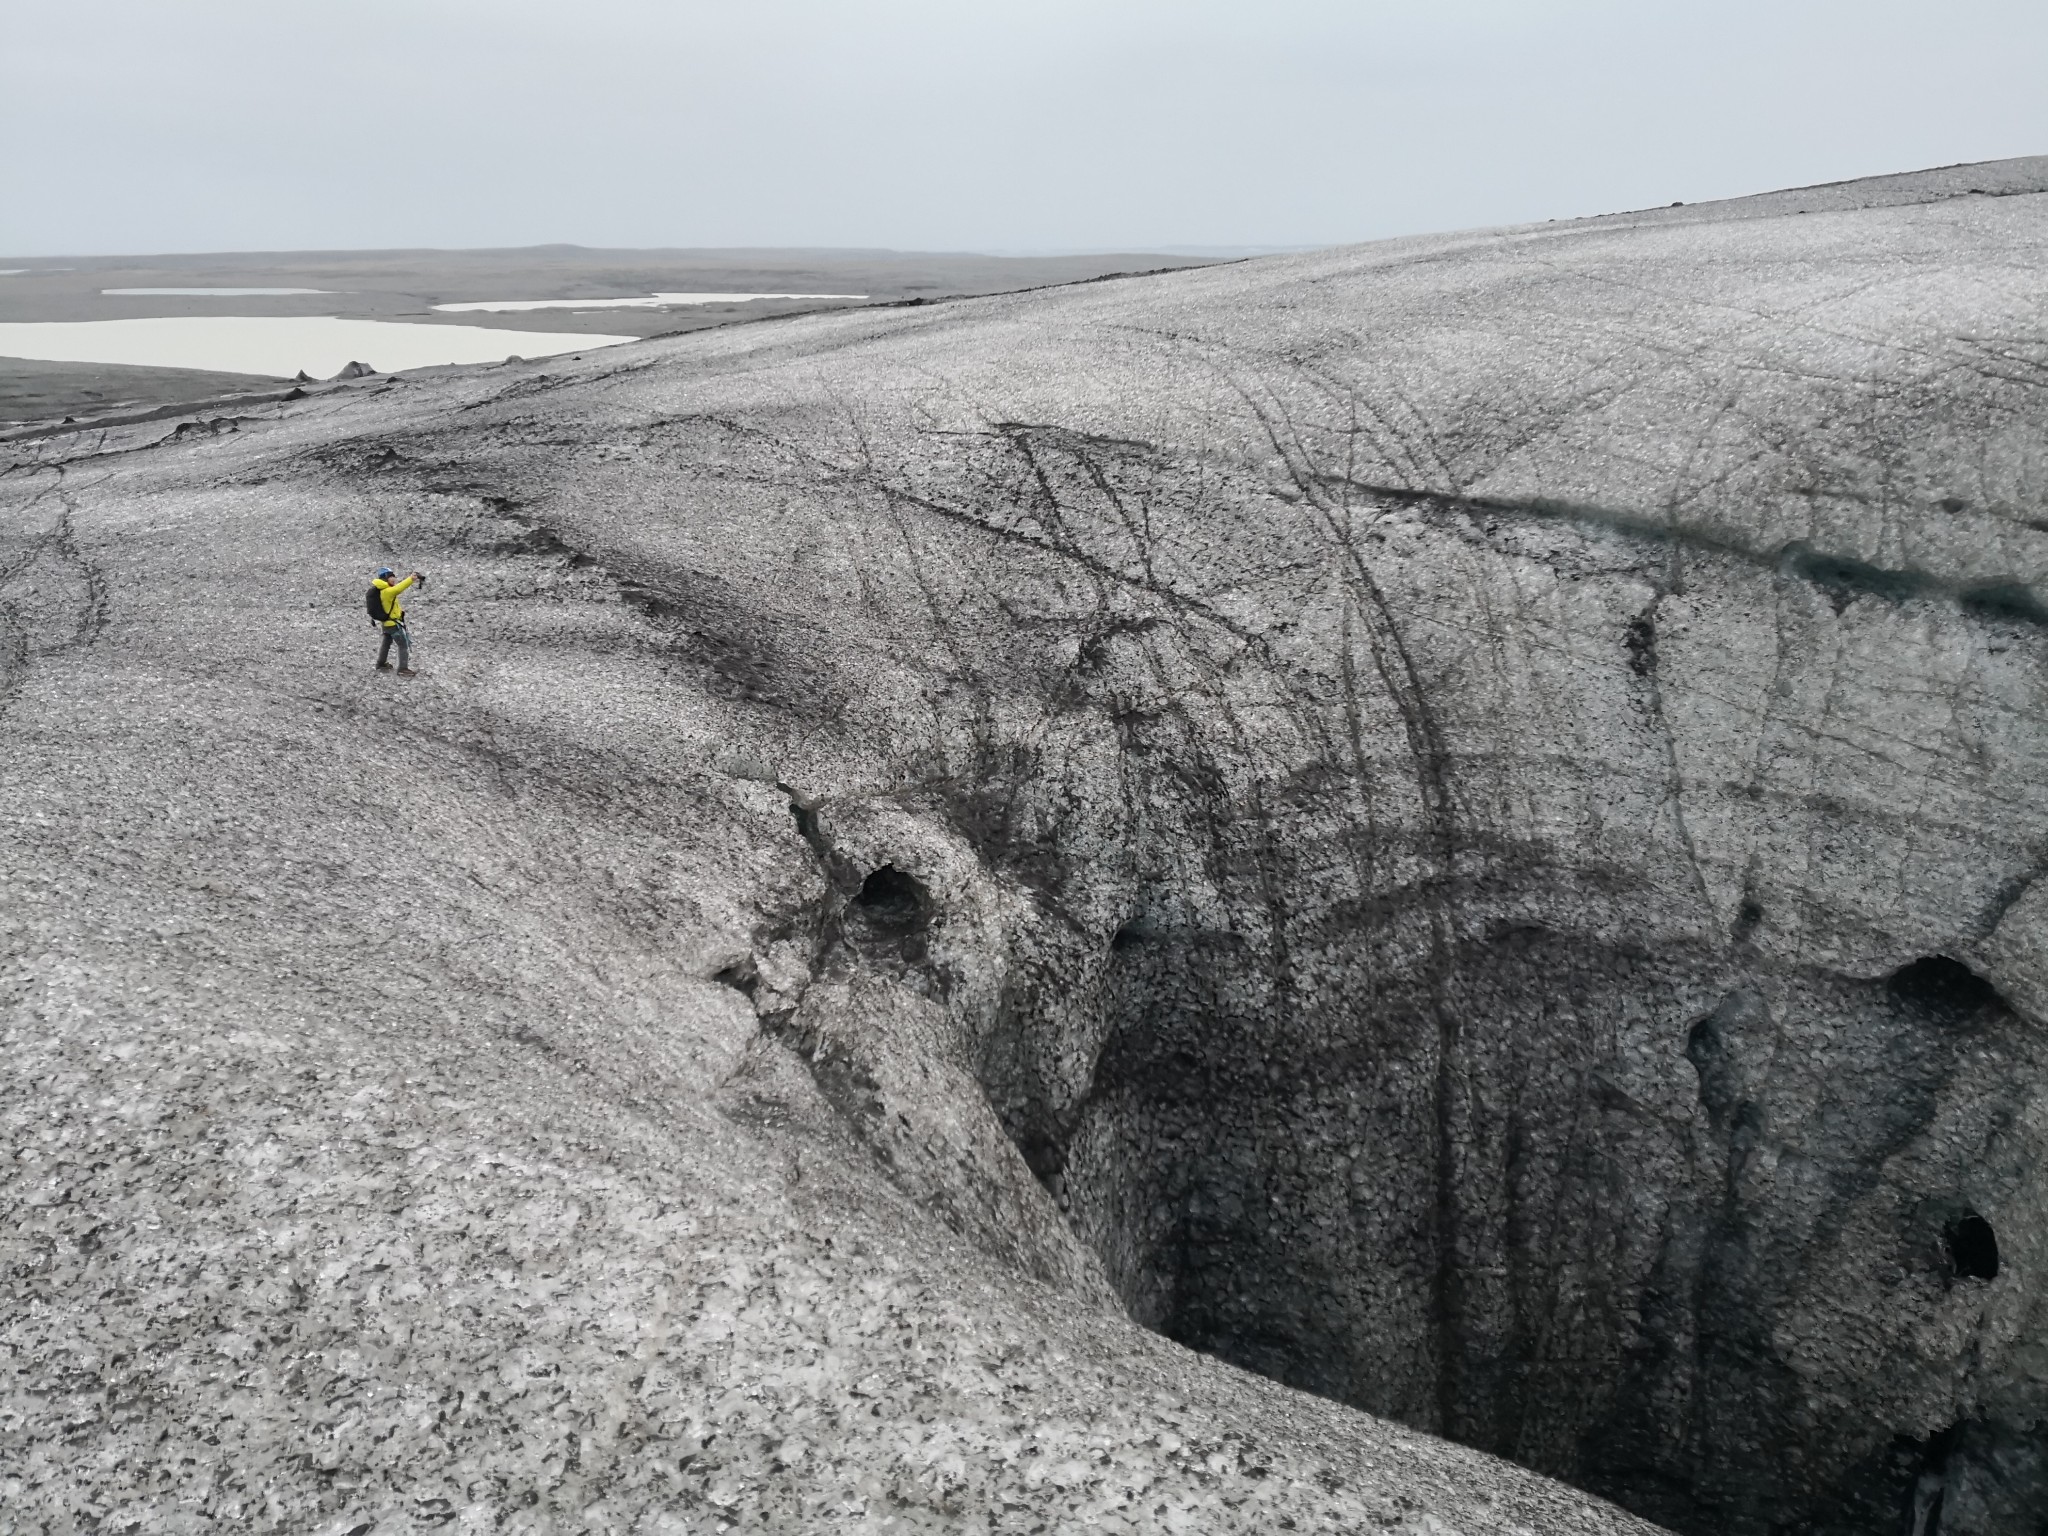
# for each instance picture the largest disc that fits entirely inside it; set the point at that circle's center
(279, 345)
(212, 293)
(650, 301)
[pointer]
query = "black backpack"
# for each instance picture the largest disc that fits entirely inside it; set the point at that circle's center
(374, 601)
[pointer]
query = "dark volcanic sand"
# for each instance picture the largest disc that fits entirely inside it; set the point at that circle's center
(31, 391)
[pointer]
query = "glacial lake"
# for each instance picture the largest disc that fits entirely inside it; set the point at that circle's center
(279, 345)
(210, 293)
(651, 301)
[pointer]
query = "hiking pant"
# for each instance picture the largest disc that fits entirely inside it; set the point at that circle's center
(396, 632)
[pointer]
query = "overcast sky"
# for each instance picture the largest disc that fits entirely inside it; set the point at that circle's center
(180, 125)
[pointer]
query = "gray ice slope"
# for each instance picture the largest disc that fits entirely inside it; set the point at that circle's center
(1452, 822)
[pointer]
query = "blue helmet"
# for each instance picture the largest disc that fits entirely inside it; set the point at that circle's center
(384, 571)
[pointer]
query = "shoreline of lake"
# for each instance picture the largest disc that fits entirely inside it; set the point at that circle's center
(280, 346)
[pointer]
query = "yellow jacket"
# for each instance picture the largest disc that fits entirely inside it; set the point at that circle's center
(387, 594)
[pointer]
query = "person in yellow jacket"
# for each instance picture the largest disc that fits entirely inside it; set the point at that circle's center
(388, 593)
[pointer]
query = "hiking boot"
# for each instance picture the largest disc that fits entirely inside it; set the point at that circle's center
(383, 666)
(407, 672)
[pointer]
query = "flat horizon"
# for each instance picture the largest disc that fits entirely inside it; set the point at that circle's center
(1191, 250)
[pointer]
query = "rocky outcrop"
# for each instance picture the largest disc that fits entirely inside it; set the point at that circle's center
(1454, 824)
